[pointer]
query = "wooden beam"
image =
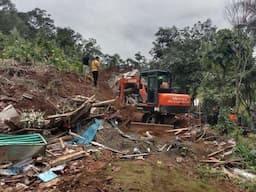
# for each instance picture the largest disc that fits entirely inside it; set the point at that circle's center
(103, 103)
(220, 151)
(152, 124)
(177, 130)
(66, 158)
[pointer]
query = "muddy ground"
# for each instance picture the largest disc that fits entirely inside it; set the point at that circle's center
(177, 169)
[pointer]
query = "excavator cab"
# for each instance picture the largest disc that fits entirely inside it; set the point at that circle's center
(157, 81)
(160, 93)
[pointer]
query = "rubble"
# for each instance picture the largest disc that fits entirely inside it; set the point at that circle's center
(80, 129)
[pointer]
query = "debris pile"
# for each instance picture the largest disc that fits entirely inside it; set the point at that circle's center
(54, 128)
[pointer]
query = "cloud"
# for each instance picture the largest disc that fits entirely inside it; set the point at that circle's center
(126, 27)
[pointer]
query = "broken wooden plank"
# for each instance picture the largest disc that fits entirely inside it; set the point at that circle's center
(27, 96)
(233, 162)
(105, 147)
(103, 103)
(62, 143)
(220, 151)
(177, 130)
(51, 153)
(64, 138)
(6, 98)
(211, 161)
(79, 110)
(218, 162)
(134, 155)
(67, 158)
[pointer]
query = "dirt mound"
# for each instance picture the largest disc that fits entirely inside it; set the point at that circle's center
(46, 87)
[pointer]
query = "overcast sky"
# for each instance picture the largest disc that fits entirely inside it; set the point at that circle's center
(127, 26)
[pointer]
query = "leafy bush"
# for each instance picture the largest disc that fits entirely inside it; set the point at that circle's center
(245, 149)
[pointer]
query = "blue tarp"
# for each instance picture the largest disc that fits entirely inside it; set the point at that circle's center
(90, 133)
(47, 176)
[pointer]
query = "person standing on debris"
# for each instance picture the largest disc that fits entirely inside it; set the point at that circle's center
(95, 66)
(86, 67)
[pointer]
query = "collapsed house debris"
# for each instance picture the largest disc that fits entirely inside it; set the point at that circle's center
(43, 147)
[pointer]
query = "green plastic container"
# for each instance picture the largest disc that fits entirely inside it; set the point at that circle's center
(19, 147)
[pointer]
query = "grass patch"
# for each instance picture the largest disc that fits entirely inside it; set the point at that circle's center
(145, 177)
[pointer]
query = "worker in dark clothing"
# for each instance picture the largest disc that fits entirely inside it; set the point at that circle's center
(86, 68)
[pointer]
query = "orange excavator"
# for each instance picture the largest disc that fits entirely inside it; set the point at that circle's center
(151, 93)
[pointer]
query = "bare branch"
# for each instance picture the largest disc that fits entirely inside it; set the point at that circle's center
(241, 13)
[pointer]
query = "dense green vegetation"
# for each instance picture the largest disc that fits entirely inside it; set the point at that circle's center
(215, 65)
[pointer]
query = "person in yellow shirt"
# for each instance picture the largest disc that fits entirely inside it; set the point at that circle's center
(95, 67)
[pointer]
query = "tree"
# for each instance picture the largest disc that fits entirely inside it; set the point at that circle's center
(229, 60)
(140, 60)
(39, 20)
(91, 48)
(248, 92)
(241, 14)
(177, 50)
(7, 5)
(67, 39)
(9, 18)
(113, 60)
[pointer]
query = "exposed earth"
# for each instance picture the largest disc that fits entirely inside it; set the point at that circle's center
(175, 170)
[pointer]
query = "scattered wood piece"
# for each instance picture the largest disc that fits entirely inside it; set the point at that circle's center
(125, 135)
(27, 96)
(103, 103)
(75, 135)
(51, 153)
(4, 166)
(177, 130)
(211, 161)
(64, 138)
(107, 148)
(228, 153)
(220, 151)
(233, 162)
(27, 129)
(134, 155)
(202, 136)
(217, 162)
(73, 113)
(62, 143)
(6, 98)
(66, 158)
(214, 137)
